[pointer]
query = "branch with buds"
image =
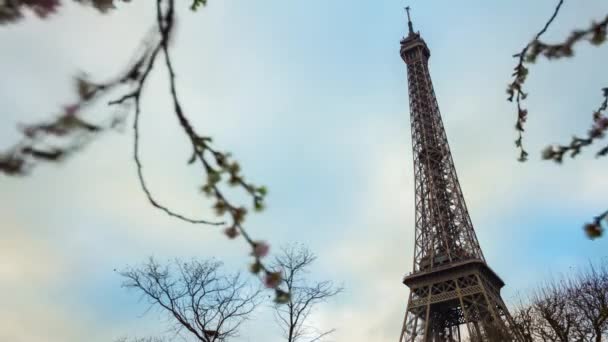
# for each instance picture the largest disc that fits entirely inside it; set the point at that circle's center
(596, 35)
(515, 88)
(596, 132)
(219, 168)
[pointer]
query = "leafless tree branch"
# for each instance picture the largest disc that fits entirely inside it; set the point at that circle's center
(568, 309)
(210, 306)
(294, 262)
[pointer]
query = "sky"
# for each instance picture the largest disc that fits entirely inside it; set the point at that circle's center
(311, 98)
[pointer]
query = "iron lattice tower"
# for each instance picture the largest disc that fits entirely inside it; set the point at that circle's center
(454, 295)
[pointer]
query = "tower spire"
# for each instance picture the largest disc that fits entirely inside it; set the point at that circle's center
(409, 21)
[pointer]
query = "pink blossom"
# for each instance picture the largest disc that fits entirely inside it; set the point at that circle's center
(273, 279)
(260, 249)
(70, 110)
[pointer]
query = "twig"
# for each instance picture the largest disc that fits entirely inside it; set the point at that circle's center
(55, 140)
(596, 34)
(597, 131)
(516, 86)
(214, 163)
(201, 146)
(323, 335)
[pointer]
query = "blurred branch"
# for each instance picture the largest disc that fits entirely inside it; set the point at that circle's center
(515, 88)
(53, 141)
(596, 34)
(218, 167)
(11, 11)
(597, 131)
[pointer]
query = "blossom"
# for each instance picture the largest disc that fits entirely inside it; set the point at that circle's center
(602, 122)
(85, 88)
(70, 110)
(260, 249)
(231, 232)
(103, 5)
(42, 8)
(593, 230)
(273, 279)
(548, 152)
(255, 268)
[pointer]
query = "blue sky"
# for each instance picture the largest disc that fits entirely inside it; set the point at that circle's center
(311, 97)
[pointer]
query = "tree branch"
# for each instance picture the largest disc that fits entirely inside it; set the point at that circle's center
(215, 164)
(515, 88)
(214, 312)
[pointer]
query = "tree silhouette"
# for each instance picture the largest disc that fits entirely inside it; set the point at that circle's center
(207, 305)
(573, 308)
(294, 261)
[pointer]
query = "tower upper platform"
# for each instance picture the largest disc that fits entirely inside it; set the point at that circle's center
(413, 46)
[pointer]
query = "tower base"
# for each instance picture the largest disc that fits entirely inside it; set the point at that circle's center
(457, 302)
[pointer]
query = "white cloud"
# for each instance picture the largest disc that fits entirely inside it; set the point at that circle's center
(88, 216)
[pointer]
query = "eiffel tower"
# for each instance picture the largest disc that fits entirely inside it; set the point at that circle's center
(454, 294)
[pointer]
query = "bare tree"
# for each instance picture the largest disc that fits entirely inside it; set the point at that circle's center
(589, 291)
(595, 34)
(553, 307)
(209, 306)
(568, 309)
(524, 319)
(304, 295)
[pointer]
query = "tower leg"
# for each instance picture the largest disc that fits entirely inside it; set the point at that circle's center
(437, 310)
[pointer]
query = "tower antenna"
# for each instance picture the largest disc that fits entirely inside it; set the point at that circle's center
(409, 20)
